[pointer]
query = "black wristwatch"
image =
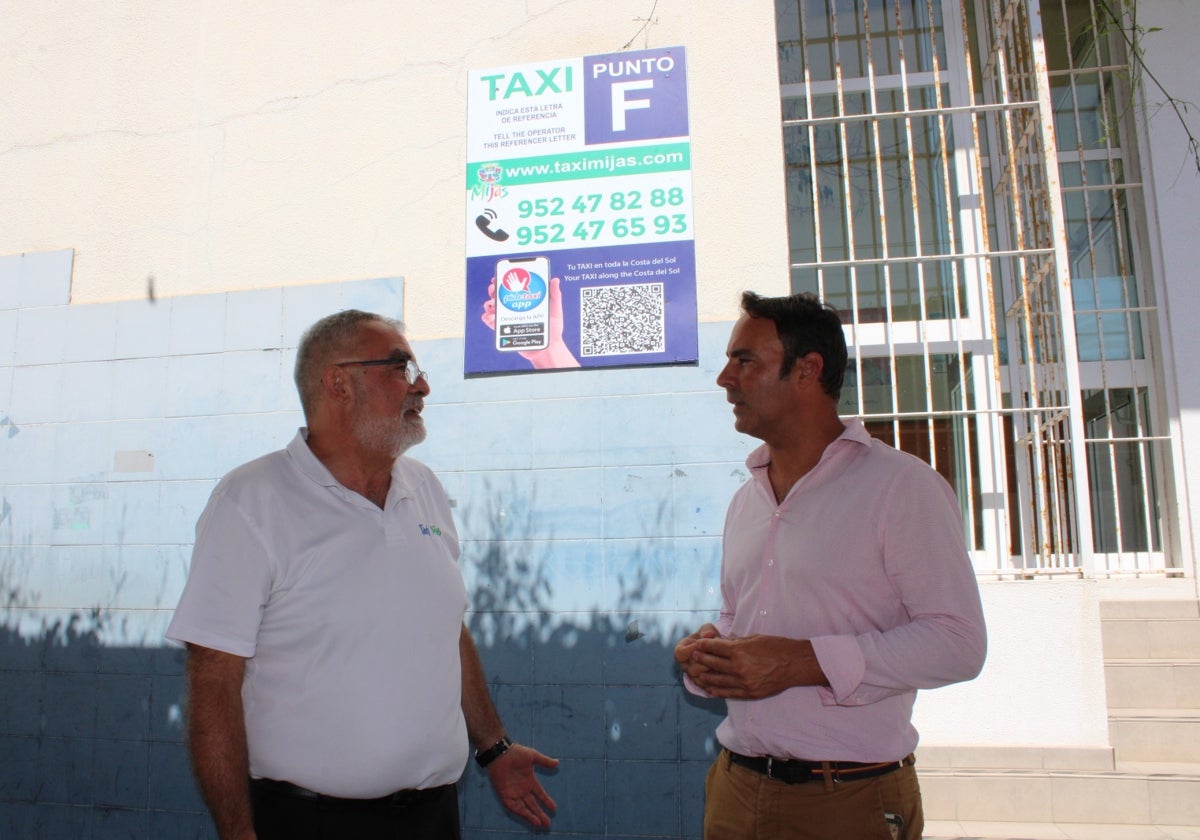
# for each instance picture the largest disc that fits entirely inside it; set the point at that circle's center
(493, 752)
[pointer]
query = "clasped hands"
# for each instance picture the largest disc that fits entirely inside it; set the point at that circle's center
(747, 668)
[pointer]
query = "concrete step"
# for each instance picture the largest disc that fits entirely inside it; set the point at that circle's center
(1148, 779)
(1159, 768)
(1150, 609)
(1156, 735)
(967, 830)
(1062, 796)
(1151, 638)
(1146, 683)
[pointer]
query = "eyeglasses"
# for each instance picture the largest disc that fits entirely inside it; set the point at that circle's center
(411, 372)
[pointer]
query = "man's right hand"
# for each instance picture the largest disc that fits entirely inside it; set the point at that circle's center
(753, 667)
(686, 647)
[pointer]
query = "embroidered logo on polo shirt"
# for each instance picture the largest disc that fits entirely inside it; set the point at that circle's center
(430, 530)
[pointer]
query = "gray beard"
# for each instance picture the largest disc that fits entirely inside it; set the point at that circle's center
(388, 435)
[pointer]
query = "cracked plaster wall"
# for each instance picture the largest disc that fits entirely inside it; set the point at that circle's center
(219, 146)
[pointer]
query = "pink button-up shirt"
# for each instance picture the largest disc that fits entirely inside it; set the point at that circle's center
(866, 558)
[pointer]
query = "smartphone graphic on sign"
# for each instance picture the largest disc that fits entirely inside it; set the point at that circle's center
(522, 303)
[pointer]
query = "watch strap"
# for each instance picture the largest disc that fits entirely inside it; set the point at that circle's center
(486, 757)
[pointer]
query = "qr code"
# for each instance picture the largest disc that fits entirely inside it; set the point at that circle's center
(614, 320)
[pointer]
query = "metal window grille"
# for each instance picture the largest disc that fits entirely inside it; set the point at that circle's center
(1091, 96)
(928, 201)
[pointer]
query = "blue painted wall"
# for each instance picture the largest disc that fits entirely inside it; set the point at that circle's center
(590, 506)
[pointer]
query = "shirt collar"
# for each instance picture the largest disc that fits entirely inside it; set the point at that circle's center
(312, 468)
(307, 462)
(855, 432)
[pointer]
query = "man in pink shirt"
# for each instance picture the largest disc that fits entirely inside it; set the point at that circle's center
(845, 587)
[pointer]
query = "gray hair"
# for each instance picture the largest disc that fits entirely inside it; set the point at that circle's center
(322, 343)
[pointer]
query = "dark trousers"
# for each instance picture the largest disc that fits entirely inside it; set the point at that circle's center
(283, 812)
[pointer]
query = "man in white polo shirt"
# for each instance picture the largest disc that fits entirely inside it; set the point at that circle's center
(334, 690)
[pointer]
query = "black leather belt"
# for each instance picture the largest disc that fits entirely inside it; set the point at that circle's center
(399, 799)
(798, 771)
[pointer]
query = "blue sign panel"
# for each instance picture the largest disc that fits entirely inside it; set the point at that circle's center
(580, 246)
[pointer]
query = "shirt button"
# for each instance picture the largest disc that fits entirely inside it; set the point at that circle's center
(762, 612)
(771, 562)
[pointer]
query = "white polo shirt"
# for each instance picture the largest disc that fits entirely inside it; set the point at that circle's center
(349, 617)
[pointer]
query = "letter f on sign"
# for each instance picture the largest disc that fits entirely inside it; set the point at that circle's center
(620, 104)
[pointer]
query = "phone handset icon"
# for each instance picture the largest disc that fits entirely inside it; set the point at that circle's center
(484, 223)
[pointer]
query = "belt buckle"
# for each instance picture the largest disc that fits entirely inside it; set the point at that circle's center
(804, 772)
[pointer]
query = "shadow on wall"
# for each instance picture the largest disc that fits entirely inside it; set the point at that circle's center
(92, 734)
(594, 687)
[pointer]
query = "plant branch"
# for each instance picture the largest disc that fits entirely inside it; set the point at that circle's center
(1135, 55)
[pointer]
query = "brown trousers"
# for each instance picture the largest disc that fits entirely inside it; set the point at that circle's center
(741, 804)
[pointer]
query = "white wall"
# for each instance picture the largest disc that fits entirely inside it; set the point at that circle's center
(224, 145)
(1172, 185)
(1043, 683)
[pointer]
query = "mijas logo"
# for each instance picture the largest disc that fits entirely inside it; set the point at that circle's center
(430, 530)
(489, 187)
